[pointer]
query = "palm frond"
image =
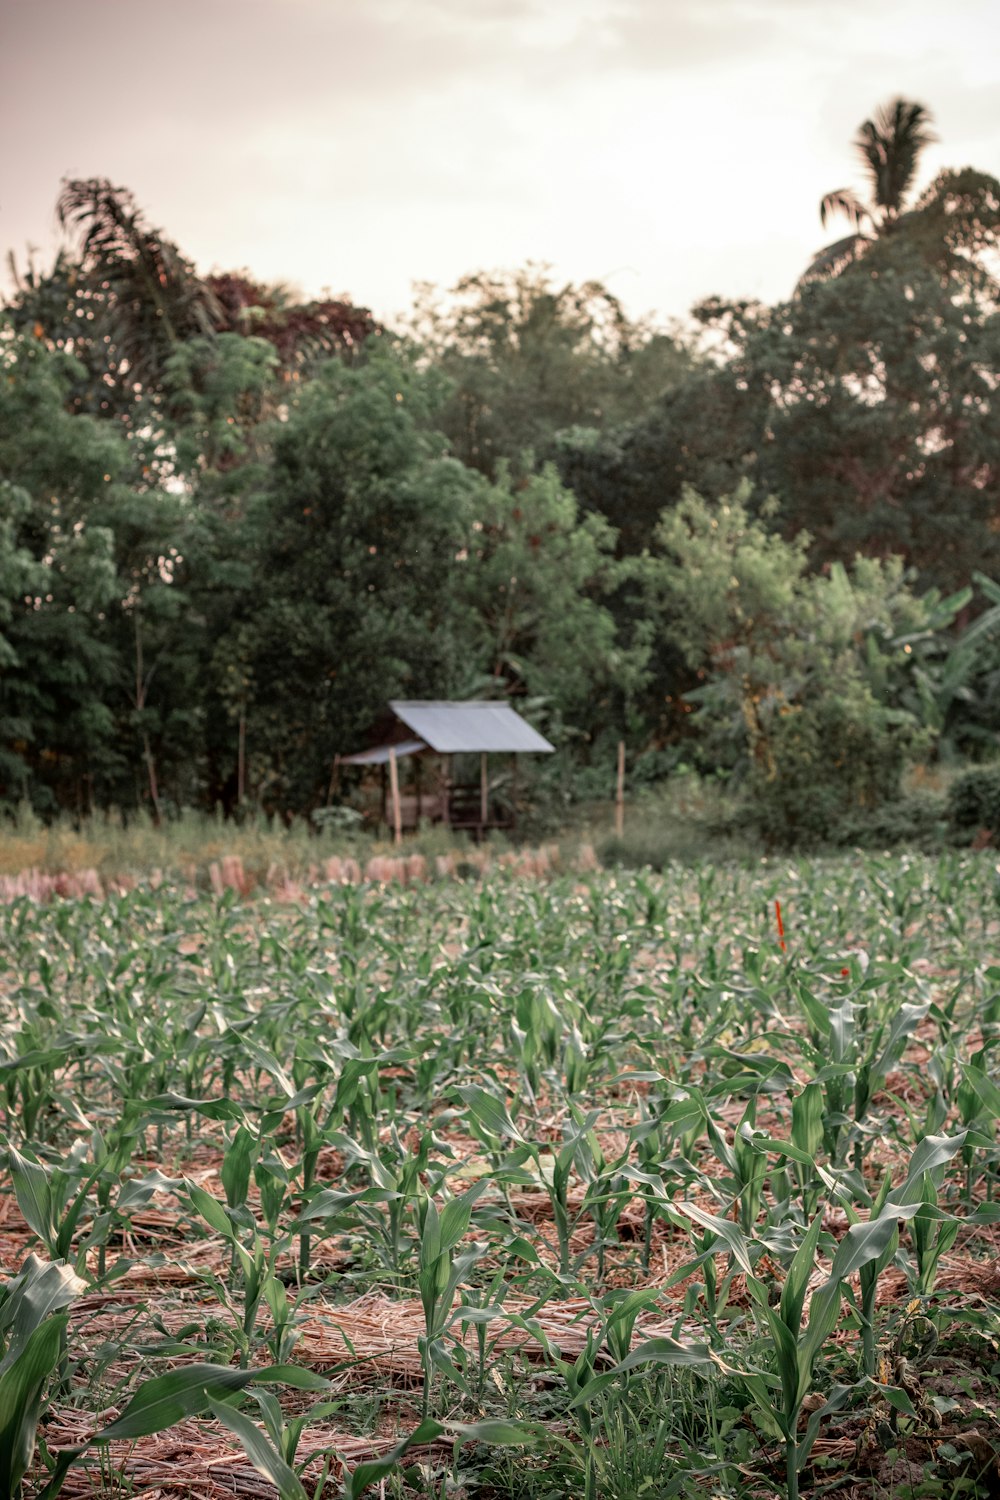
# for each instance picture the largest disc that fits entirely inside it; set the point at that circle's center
(150, 293)
(843, 201)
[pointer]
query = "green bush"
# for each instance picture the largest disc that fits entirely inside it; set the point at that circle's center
(829, 763)
(974, 802)
(918, 820)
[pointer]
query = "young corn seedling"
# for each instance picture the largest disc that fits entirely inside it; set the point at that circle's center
(53, 1200)
(796, 1348)
(441, 1272)
(253, 1273)
(33, 1322)
(385, 1212)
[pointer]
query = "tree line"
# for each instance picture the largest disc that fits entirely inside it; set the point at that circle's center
(234, 523)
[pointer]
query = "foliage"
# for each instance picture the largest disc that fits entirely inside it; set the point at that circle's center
(528, 360)
(535, 583)
(864, 404)
(233, 523)
(889, 147)
(352, 557)
(918, 820)
(787, 699)
(974, 802)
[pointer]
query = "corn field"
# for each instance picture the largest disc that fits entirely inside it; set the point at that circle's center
(596, 1186)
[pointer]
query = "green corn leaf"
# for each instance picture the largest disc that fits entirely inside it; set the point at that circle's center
(985, 1088)
(359, 1479)
(666, 1351)
(211, 1210)
(455, 1217)
(807, 1119)
(236, 1166)
(905, 1022)
(39, 1290)
(212, 1109)
(817, 1014)
(824, 1311)
(897, 1398)
(841, 1029)
(491, 1113)
(22, 1386)
(137, 1191)
(797, 1280)
(863, 1242)
(167, 1399)
(33, 1191)
(932, 1152)
(786, 1351)
(265, 1459)
(329, 1204)
(725, 1229)
(784, 1148)
(500, 1434)
(268, 1063)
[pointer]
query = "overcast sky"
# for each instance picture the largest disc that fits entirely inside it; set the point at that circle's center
(672, 148)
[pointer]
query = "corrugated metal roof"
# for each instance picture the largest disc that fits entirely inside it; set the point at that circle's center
(453, 728)
(380, 754)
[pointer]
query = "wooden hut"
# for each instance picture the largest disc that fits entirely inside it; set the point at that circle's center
(447, 729)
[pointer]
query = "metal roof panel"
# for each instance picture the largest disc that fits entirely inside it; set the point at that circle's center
(380, 754)
(454, 728)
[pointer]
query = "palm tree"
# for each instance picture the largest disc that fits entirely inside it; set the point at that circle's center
(145, 295)
(889, 146)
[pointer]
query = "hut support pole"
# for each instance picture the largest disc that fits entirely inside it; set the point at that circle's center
(397, 816)
(620, 792)
(241, 759)
(484, 792)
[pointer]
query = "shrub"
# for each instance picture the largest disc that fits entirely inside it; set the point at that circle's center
(918, 820)
(974, 803)
(830, 761)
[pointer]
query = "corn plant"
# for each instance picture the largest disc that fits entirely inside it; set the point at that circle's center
(33, 1322)
(441, 1272)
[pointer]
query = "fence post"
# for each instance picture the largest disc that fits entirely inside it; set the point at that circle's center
(397, 816)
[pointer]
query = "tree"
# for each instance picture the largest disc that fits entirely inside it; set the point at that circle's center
(889, 147)
(790, 699)
(535, 589)
(300, 332)
(146, 295)
(57, 581)
(866, 404)
(527, 360)
(348, 550)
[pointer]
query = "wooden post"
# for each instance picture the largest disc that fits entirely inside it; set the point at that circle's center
(241, 759)
(620, 793)
(334, 778)
(397, 816)
(484, 793)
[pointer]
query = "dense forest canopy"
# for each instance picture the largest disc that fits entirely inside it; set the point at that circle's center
(229, 517)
